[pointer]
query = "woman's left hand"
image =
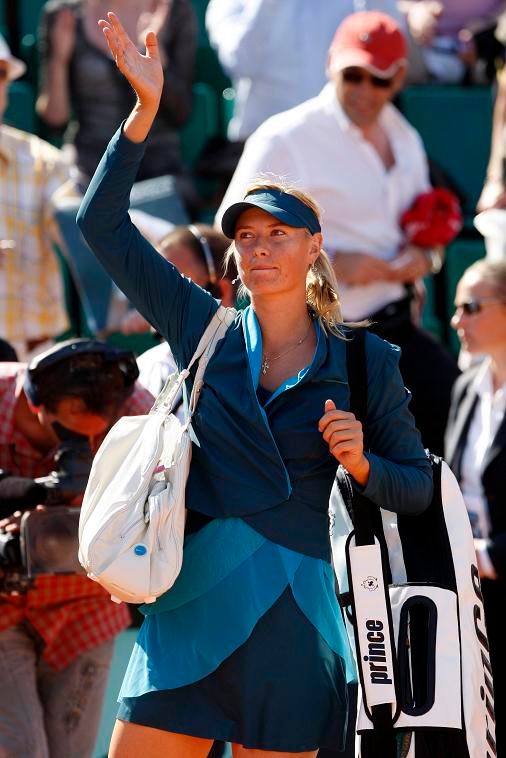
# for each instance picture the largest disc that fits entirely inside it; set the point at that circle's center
(343, 434)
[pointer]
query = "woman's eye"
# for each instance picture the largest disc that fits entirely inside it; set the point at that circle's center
(244, 235)
(278, 232)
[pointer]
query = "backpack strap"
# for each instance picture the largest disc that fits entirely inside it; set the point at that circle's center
(356, 363)
(365, 514)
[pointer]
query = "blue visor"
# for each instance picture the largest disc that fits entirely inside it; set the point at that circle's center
(286, 208)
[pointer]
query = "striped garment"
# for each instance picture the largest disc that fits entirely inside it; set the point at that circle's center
(31, 291)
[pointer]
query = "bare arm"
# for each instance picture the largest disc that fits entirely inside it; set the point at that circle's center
(176, 99)
(493, 193)
(175, 25)
(359, 268)
(57, 43)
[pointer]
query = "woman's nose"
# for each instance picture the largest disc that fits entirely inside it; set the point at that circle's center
(456, 319)
(261, 247)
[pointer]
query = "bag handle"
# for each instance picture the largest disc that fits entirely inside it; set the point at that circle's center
(363, 511)
(213, 333)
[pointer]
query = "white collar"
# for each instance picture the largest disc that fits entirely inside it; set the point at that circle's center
(483, 385)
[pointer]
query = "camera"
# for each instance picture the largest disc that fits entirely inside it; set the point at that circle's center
(48, 539)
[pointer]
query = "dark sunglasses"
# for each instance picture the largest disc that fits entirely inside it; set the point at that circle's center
(358, 75)
(472, 307)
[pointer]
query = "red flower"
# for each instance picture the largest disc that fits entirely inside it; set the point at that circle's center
(433, 219)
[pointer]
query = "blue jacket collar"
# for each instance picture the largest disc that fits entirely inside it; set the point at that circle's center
(253, 342)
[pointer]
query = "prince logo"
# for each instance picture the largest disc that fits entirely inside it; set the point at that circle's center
(486, 691)
(377, 655)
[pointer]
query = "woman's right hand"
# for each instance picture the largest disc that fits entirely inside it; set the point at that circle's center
(63, 36)
(144, 72)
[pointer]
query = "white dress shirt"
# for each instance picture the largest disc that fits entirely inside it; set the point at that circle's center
(275, 51)
(316, 147)
(155, 366)
(487, 417)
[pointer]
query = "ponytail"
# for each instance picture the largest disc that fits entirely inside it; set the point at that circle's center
(322, 294)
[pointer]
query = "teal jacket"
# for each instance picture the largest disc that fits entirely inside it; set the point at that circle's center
(267, 464)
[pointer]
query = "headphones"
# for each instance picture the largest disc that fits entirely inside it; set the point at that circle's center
(65, 352)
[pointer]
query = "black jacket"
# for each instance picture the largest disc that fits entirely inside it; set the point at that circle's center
(464, 403)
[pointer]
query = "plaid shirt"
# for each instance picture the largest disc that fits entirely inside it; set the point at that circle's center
(70, 612)
(32, 302)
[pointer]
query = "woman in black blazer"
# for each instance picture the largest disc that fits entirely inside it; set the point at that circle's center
(476, 447)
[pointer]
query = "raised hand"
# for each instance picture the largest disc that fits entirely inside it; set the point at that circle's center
(63, 36)
(143, 71)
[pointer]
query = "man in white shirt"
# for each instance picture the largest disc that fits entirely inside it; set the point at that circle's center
(274, 51)
(359, 158)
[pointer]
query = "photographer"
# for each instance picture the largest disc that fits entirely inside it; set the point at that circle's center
(56, 638)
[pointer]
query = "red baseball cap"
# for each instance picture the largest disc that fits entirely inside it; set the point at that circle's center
(371, 40)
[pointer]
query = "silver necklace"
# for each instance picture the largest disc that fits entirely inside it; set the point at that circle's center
(266, 360)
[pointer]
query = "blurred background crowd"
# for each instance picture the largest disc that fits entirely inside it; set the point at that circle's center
(231, 65)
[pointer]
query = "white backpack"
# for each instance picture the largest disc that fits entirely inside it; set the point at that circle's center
(131, 528)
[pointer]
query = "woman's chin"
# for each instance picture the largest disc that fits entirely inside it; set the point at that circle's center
(262, 282)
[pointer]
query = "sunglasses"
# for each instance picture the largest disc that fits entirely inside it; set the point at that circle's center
(358, 75)
(472, 307)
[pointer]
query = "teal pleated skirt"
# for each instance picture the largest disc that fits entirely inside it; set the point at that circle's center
(249, 646)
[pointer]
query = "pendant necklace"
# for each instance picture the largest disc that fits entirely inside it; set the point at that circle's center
(266, 361)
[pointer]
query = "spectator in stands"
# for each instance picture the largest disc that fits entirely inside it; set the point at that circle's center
(197, 251)
(32, 308)
(79, 80)
(476, 447)
(56, 640)
(365, 165)
(274, 51)
(455, 39)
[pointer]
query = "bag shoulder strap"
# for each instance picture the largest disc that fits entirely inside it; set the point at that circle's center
(220, 323)
(213, 333)
(357, 374)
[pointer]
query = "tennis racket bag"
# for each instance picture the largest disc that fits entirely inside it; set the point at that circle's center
(411, 589)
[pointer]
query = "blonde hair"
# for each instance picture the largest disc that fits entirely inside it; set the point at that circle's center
(493, 272)
(322, 294)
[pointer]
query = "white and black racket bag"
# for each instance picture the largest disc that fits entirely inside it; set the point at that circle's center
(411, 589)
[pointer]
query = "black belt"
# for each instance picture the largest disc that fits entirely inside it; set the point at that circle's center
(391, 316)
